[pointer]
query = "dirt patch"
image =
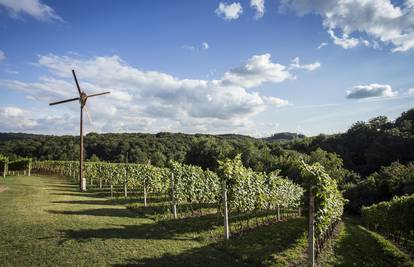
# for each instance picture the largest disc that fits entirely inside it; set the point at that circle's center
(2, 188)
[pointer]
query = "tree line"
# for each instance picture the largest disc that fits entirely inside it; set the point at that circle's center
(370, 161)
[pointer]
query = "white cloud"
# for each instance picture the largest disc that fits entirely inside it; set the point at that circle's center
(259, 5)
(205, 46)
(411, 90)
(370, 90)
(309, 67)
(257, 70)
(15, 72)
(192, 48)
(321, 45)
(34, 8)
(381, 20)
(151, 101)
(275, 101)
(347, 42)
(229, 11)
(188, 47)
(2, 55)
(14, 119)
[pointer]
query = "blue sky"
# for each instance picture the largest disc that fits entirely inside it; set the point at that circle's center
(250, 67)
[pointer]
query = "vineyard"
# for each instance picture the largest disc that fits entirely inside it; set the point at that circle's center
(20, 166)
(244, 198)
(242, 213)
(394, 219)
(185, 190)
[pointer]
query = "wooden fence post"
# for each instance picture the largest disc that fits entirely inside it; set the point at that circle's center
(145, 194)
(112, 190)
(311, 231)
(100, 177)
(29, 169)
(278, 212)
(225, 211)
(174, 205)
(125, 184)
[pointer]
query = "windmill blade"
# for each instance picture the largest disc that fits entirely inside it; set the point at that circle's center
(89, 115)
(76, 80)
(104, 93)
(63, 101)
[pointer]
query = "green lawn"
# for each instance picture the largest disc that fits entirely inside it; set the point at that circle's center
(44, 221)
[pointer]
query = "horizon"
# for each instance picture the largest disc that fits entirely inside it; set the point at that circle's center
(252, 68)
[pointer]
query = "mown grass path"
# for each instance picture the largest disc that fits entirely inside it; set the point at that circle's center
(45, 221)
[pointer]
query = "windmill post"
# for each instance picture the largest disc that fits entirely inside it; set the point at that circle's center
(83, 97)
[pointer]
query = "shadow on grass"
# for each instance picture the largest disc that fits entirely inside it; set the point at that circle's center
(251, 248)
(204, 256)
(106, 212)
(63, 186)
(114, 201)
(256, 248)
(358, 246)
(170, 229)
(74, 194)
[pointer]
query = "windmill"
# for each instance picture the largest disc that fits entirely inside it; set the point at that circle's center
(82, 101)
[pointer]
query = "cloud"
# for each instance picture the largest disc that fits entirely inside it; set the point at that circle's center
(34, 8)
(14, 118)
(188, 47)
(229, 11)
(321, 45)
(256, 71)
(275, 101)
(410, 91)
(205, 46)
(9, 71)
(259, 5)
(309, 67)
(151, 101)
(371, 90)
(2, 55)
(192, 48)
(380, 20)
(347, 42)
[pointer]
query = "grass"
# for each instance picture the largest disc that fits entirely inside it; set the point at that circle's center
(357, 246)
(45, 221)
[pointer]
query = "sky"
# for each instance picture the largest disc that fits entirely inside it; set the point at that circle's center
(253, 67)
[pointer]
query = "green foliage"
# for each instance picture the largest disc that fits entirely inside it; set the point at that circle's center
(248, 190)
(252, 191)
(394, 180)
(394, 218)
(331, 162)
(193, 185)
(329, 202)
(3, 164)
(367, 146)
(19, 164)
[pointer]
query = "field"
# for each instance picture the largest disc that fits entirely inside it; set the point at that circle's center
(46, 221)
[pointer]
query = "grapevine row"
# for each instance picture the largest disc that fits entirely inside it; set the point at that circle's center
(394, 218)
(248, 191)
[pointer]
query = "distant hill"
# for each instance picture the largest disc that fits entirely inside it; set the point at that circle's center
(285, 136)
(16, 136)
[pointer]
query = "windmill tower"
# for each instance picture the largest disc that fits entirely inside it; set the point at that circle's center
(82, 101)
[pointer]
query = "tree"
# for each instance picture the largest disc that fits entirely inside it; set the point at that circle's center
(332, 163)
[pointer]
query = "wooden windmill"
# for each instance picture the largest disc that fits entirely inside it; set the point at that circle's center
(82, 101)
